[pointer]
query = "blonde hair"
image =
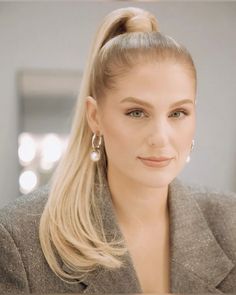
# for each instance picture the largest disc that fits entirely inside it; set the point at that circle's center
(71, 225)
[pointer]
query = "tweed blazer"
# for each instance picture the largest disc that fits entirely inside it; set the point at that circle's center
(202, 246)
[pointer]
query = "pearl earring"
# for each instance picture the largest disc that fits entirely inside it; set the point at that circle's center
(189, 158)
(95, 154)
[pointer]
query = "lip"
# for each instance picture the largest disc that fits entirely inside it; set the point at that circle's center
(159, 159)
(157, 162)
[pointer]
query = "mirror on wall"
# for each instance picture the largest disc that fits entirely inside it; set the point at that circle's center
(47, 100)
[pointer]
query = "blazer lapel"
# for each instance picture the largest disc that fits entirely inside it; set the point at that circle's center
(123, 280)
(198, 263)
(102, 280)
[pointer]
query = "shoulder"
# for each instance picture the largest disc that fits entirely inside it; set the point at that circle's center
(21, 259)
(209, 198)
(25, 210)
(217, 206)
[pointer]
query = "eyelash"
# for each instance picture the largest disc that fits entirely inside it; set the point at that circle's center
(183, 111)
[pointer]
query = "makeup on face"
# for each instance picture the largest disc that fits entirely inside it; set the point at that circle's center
(149, 122)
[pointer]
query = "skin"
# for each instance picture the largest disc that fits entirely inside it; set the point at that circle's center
(139, 192)
(130, 130)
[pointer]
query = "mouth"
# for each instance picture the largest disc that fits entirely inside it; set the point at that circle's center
(159, 159)
(156, 162)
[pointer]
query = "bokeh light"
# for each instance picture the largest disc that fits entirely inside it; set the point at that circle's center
(27, 148)
(28, 181)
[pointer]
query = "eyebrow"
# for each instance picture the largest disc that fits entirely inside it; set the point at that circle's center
(144, 103)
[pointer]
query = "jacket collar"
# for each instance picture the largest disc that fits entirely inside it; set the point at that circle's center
(197, 262)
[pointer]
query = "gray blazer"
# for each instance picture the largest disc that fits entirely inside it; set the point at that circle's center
(202, 235)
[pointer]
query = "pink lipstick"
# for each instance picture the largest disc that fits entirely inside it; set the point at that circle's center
(156, 161)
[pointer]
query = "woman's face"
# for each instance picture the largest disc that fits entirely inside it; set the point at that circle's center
(150, 114)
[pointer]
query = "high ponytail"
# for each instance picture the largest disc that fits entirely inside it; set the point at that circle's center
(71, 227)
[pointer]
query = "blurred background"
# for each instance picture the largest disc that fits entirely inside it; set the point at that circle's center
(43, 50)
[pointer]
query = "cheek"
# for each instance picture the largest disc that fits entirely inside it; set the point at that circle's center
(117, 138)
(187, 134)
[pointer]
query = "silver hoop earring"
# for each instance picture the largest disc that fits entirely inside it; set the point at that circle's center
(95, 155)
(192, 147)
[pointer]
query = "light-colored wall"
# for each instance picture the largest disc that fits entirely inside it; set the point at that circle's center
(58, 34)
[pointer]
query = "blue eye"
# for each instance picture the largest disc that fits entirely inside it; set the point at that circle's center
(136, 114)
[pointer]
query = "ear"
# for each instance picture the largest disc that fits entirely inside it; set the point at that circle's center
(92, 114)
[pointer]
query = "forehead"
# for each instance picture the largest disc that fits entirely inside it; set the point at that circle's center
(157, 81)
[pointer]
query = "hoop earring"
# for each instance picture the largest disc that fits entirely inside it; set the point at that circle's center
(95, 155)
(192, 147)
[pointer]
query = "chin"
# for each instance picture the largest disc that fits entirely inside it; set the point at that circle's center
(155, 181)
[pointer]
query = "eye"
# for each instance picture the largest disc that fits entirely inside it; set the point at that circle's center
(136, 113)
(179, 114)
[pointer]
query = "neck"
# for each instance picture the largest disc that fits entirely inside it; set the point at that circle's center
(136, 204)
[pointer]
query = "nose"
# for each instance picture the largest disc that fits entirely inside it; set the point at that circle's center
(159, 135)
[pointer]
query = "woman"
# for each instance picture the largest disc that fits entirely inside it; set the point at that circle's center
(115, 218)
